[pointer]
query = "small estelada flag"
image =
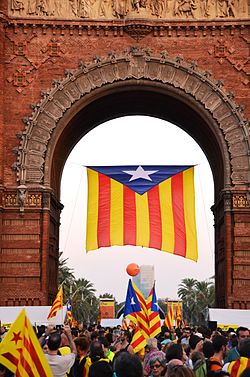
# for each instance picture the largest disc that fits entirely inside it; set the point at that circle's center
(57, 304)
(153, 314)
(150, 206)
(21, 352)
(69, 312)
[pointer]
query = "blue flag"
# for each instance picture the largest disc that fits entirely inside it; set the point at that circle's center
(132, 304)
(154, 305)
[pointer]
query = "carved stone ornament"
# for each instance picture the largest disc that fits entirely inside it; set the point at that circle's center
(133, 64)
(241, 201)
(128, 9)
(22, 195)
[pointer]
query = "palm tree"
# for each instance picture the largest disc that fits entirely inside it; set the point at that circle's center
(186, 292)
(83, 300)
(205, 298)
(65, 276)
(196, 296)
(64, 272)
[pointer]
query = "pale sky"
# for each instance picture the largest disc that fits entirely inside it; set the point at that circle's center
(130, 141)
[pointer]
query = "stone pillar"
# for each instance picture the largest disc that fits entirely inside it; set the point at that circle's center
(232, 245)
(29, 250)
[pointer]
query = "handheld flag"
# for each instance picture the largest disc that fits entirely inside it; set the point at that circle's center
(21, 352)
(169, 320)
(149, 206)
(57, 304)
(138, 341)
(69, 312)
(124, 324)
(153, 314)
(133, 310)
(140, 318)
(178, 316)
(131, 304)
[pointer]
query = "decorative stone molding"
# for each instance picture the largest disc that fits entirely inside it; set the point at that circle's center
(23, 199)
(241, 201)
(135, 64)
(127, 9)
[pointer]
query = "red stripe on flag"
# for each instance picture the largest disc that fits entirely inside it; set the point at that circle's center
(178, 215)
(36, 360)
(11, 358)
(103, 226)
(26, 366)
(138, 341)
(155, 218)
(129, 216)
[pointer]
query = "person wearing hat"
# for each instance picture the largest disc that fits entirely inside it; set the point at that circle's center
(196, 345)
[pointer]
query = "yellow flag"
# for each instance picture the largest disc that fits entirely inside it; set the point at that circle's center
(57, 304)
(21, 352)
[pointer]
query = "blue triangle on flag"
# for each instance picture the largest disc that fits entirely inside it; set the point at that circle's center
(140, 178)
(132, 304)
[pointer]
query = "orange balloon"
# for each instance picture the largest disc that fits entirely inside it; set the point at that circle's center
(133, 269)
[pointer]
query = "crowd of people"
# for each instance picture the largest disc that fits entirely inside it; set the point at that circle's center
(106, 352)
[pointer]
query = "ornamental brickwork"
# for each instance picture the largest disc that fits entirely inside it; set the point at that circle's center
(66, 67)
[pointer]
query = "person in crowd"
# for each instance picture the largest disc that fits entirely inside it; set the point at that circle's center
(122, 344)
(176, 351)
(195, 343)
(100, 369)
(199, 364)
(186, 333)
(171, 365)
(96, 352)
(236, 367)
(208, 349)
(157, 366)
(153, 351)
(107, 352)
(60, 364)
(232, 340)
(127, 365)
(180, 371)
(233, 354)
(215, 362)
(82, 364)
(165, 344)
(94, 336)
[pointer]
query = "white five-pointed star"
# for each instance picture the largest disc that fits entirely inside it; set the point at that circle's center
(140, 173)
(156, 305)
(132, 301)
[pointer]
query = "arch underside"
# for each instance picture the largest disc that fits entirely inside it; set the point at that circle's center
(134, 83)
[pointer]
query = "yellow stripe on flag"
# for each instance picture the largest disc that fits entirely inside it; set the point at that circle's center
(92, 212)
(138, 341)
(116, 214)
(142, 220)
(167, 216)
(189, 214)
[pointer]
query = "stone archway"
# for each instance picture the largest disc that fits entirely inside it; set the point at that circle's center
(53, 129)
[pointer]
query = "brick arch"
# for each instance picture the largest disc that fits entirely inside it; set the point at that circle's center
(136, 65)
(86, 95)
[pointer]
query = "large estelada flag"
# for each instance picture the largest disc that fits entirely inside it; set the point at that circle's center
(149, 206)
(21, 352)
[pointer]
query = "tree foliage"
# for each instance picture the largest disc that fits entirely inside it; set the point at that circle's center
(197, 297)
